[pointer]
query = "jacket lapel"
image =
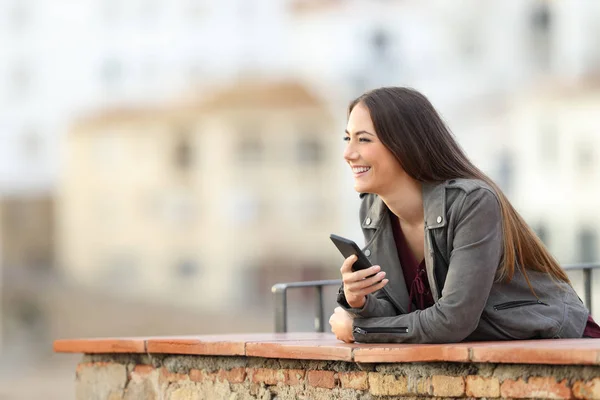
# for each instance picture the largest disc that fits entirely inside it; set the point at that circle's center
(385, 254)
(434, 202)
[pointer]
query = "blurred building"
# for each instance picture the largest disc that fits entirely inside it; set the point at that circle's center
(555, 166)
(207, 203)
(26, 260)
(58, 61)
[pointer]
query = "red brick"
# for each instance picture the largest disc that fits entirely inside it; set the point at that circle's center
(587, 390)
(354, 380)
(294, 376)
(479, 386)
(143, 370)
(545, 387)
(322, 379)
(198, 375)
(166, 376)
(448, 386)
(267, 376)
(234, 375)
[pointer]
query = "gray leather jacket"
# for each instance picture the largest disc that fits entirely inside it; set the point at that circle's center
(463, 249)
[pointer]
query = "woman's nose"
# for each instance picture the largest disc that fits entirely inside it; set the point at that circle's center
(350, 153)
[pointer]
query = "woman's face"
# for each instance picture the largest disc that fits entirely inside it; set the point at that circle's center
(374, 167)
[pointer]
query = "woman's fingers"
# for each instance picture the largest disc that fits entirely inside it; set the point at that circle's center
(373, 288)
(349, 277)
(364, 283)
(365, 290)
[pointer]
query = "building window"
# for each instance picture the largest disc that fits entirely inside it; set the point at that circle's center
(310, 151)
(184, 156)
(186, 269)
(548, 136)
(541, 27)
(250, 149)
(20, 80)
(111, 73)
(19, 15)
(588, 245)
(31, 145)
(506, 171)
(541, 230)
(380, 43)
(585, 157)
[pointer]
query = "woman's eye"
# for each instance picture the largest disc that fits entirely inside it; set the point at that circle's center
(364, 140)
(346, 138)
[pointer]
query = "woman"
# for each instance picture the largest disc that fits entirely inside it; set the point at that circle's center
(452, 258)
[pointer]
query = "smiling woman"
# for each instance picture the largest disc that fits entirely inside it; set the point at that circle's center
(459, 262)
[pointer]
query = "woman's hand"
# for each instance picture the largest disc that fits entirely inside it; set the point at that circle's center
(341, 325)
(356, 284)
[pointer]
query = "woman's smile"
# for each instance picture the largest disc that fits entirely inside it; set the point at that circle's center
(360, 170)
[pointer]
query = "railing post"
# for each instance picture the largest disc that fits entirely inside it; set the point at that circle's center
(319, 326)
(587, 280)
(280, 292)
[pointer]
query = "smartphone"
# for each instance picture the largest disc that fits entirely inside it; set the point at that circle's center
(347, 247)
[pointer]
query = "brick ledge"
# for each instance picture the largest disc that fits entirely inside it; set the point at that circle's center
(324, 346)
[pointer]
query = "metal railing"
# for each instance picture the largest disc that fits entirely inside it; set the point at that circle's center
(587, 280)
(279, 290)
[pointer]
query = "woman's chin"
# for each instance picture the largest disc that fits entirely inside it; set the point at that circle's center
(361, 188)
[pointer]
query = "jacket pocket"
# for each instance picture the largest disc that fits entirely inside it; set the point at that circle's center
(517, 303)
(362, 331)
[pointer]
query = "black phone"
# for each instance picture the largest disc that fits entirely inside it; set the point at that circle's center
(347, 247)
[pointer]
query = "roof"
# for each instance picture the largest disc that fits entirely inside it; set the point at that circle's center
(243, 95)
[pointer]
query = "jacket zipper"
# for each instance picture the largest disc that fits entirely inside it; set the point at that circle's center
(517, 303)
(381, 330)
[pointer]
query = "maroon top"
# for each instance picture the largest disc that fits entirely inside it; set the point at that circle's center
(414, 272)
(417, 283)
(592, 329)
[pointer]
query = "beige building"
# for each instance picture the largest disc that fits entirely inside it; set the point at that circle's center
(207, 202)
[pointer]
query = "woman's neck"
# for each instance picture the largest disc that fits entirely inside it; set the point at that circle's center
(406, 202)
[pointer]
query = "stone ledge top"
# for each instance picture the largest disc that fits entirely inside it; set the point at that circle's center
(324, 346)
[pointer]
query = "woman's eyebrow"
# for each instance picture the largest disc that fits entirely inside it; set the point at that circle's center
(359, 133)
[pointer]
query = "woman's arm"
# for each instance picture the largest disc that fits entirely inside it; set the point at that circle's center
(476, 254)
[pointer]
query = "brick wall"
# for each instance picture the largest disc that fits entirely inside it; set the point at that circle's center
(142, 376)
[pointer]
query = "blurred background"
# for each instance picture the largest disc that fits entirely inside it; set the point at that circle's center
(164, 163)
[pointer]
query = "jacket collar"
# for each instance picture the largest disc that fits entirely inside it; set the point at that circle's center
(434, 202)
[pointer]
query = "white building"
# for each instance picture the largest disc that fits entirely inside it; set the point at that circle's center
(59, 59)
(555, 137)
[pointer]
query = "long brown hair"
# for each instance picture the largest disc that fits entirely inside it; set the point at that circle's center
(410, 127)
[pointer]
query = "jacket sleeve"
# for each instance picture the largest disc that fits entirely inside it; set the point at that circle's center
(376, 305)
(477, 251)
